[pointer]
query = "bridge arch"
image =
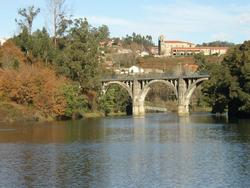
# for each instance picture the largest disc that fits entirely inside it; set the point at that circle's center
(192, 88)
(147, 87)
(123, 85)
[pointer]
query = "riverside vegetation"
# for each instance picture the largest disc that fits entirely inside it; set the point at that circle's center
(44, 77)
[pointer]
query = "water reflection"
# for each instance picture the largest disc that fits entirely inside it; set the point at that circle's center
(160, 150)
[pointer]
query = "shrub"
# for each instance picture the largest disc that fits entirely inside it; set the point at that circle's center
(34, 86)
(76, 103)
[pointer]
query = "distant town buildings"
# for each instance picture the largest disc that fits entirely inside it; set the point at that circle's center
(182, 48)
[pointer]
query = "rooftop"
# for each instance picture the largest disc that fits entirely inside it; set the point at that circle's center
(176, 41)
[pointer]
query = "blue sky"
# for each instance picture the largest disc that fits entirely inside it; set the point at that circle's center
(190, 20)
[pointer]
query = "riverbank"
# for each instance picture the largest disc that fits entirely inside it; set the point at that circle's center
(11, 112)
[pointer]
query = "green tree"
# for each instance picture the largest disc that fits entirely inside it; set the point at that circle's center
(28, 15)
(200, 60)
(76, 103)
(116, 99)
(229, 85)
(106, 102)
(145, 41)
(121, 99)
(103, 32)
(81, 57)
(238, 62)
(218, 44)
(42, 46)
(216, 90)
(24, 41)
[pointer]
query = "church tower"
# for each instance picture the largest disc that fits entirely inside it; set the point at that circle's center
(161, 45)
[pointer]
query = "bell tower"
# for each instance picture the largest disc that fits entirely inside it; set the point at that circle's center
(161, 45)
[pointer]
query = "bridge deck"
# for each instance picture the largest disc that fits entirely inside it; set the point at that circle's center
(162, 76)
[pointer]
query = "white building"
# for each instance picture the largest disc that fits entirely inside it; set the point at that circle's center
(182, 48)
(135, 70)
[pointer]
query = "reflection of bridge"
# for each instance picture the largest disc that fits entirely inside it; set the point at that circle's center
(139, 85)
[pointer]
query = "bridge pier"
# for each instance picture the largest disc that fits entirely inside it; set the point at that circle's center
(183, 110)
(138, 100)
(138, 108)
(183, 102)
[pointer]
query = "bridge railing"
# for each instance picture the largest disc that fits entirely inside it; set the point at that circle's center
(131, 76)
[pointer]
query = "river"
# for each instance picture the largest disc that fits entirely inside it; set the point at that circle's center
(159, 150)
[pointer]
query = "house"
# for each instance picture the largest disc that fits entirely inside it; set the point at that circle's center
(135, 70)
(182, 48)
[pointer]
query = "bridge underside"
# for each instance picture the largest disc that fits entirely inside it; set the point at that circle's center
(138, 88)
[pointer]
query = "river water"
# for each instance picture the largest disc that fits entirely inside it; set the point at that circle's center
(159, 150)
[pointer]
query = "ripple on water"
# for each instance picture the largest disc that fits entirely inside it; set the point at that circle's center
(156, 151)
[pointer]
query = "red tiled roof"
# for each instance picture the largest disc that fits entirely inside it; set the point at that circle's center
(176, 41)
(214, 48)
(200, 48)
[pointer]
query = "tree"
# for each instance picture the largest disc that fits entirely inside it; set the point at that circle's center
(229, 85)
(116, 99)
(76, 102)
(106, 102)
(216, 90)
(42, 46)
(238, 62)
(142, 42)
(23, 40)
(28, 15)
(200, 60)
(218, 44)
(11, 56)
(59, 18)
(103, 32)
(80, 58)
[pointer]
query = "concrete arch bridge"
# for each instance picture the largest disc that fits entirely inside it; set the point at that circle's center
(138, 87)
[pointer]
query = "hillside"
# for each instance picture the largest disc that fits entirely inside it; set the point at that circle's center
(170, 62)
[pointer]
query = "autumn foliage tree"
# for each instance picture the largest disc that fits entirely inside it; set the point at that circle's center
(11, 56)
(34, 86)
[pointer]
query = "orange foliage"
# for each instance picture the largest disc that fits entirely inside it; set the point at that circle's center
(9, 52)
(36, 86)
